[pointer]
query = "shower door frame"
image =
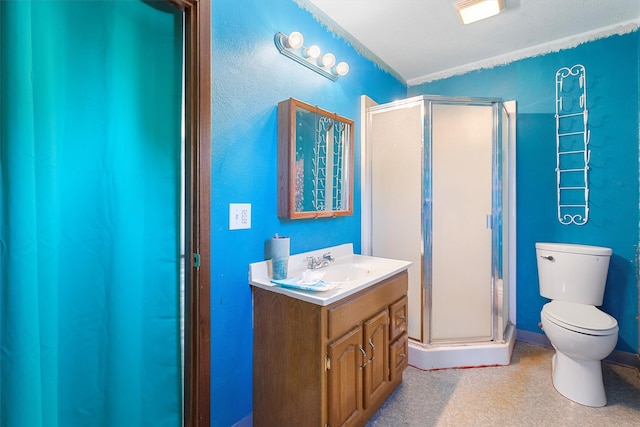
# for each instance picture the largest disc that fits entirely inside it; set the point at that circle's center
(496, 333)
(503, 158)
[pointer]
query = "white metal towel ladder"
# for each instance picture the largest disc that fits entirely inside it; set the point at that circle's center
(572, 145)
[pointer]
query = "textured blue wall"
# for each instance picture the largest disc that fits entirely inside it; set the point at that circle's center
(250, 77)
(612, 99)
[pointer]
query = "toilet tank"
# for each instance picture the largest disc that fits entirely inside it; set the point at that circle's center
(572, 273)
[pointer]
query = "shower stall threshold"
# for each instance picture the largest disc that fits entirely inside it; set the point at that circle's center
(473, 355)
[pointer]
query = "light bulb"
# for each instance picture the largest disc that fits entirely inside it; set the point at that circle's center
(328, 60)
(295, 40)
(312, 52)
(342, 69)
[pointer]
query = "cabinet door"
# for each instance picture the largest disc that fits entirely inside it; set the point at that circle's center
(345, 378)
(398, 359)
(376, 342)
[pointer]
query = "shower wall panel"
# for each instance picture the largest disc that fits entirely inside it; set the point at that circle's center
(396, 165)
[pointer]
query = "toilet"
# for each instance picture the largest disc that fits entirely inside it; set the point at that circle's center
(573, 277)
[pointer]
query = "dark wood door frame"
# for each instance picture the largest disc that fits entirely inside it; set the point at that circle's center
(197, 62)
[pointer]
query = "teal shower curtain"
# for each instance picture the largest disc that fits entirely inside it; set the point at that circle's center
(90, 105)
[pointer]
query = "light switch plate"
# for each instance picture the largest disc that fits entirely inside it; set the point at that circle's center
(239, 216)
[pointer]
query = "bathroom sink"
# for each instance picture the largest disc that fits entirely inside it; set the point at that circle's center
(326, 278)
(345, 272)
(348, 274)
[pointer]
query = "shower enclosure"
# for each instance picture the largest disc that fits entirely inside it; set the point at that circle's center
(439, 190)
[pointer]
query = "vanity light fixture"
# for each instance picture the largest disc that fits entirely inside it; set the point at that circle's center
(295, 40)
(342, 69)
(328, 60)
(311, 57)
(312, 52)
(474, 10)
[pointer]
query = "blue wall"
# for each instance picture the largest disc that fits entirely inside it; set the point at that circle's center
(612, 99)
(250, 77)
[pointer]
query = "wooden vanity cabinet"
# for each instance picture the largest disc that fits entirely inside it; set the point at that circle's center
(328, 365)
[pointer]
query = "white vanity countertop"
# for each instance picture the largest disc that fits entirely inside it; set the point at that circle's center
(378, 269)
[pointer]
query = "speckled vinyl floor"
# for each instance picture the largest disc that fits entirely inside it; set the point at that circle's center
(520, 394)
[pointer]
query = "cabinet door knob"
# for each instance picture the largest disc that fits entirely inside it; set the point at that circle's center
(373, 349)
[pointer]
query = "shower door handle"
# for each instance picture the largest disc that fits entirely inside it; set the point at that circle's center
(490, 221)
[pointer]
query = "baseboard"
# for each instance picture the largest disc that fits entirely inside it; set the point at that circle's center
(533, 338)
(618, 357)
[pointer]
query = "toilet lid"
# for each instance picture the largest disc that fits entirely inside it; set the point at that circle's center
(582, 318)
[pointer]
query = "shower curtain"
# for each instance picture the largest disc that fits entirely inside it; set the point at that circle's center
(90, 105)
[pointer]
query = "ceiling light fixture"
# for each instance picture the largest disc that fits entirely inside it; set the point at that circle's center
(474, 10)
(292, 46)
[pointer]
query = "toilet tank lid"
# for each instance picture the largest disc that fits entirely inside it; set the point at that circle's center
(574, 248)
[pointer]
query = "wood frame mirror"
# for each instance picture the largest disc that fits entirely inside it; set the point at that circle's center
(315, 162)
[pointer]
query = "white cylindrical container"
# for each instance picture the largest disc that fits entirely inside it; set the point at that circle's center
(280, 257)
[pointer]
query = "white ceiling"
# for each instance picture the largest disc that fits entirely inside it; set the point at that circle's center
(423, 40)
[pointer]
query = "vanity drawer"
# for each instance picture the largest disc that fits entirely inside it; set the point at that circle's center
(398, 314)
(398, 356)
(344, 315)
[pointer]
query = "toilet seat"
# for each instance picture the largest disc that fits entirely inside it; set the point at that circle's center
(585, 319)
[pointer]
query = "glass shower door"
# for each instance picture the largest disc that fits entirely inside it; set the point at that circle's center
(461, 222)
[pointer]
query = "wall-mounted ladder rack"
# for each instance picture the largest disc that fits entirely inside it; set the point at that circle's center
(572, 145)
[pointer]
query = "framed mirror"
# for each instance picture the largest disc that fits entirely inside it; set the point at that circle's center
(315, 162)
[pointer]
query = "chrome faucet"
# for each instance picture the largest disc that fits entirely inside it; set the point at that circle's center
(319, 262)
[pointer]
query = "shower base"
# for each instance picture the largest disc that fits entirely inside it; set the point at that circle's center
(462, 355)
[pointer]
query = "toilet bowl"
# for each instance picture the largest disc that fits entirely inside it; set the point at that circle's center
(574, 278)
(582, 336)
